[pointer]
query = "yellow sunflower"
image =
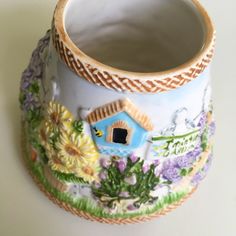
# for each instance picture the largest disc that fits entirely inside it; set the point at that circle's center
(58, 117)
(74, 149)
(89, 172)
(57, 164)
(46, 136)
(75, 155)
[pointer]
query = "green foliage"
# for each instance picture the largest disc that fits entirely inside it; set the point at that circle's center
(112, 187)
(184, 172)
(34, 117)
(42, 154)
(78, 126)
(205, 139)
(53, 139)
(68, 178)
(34, 88)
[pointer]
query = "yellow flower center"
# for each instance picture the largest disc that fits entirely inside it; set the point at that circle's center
(56, 160)
(55, 117)
(88, 170)
(72, 151)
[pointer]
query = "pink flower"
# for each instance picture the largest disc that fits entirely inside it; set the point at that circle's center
(146, 168)
(103, 175)
(105, 163)
(121, 166)
(131, 207)
(132, 180)
(133, 158)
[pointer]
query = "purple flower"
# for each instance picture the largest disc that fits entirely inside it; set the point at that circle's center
(30, 102)
(124, 194)
(25, 84)
(105, 163)
(184, 161)
(156, 162)
(196, 152)
(103, 175)
(193, 155)
(35, 68)
(197, 178)
(146, 168)
(208, 164)
(121, 166)
(133, 158)
(170, 172)
(131, 207)
(212, 128)
(132, 180)
(97, 185)
(202, 122)
(27, 78)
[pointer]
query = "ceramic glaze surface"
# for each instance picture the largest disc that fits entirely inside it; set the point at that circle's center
(118, 156)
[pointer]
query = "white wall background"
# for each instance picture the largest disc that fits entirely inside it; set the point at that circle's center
(24, 211)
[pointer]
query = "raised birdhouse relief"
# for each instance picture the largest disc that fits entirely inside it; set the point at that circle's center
(119, 127)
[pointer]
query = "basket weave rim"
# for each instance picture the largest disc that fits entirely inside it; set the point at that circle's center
(208, 46)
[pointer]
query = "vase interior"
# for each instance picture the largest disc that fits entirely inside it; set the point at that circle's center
(137, 36)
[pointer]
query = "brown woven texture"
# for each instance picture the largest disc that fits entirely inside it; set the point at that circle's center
(113, 81)
(87, 216)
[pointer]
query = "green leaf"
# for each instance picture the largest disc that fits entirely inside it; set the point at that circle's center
(54, 139)
(34, 88)
(69, 177)
(115, 183)
(190, 170)
(78, 126)
(204, 139)
(184, 172)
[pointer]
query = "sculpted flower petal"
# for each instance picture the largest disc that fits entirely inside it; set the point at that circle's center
(58, 117)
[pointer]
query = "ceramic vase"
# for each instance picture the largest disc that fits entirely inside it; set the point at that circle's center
(117, 114)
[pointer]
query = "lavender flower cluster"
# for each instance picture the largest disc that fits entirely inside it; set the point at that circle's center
(29, 96)
(212, 128)
(203, 172)
(202, 121)
(173, 170)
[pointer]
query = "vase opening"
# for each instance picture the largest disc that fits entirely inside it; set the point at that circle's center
(136, 35)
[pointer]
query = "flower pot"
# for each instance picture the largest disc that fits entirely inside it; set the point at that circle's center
(116, 104)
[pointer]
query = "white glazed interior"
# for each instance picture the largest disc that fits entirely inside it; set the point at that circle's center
(136, 35)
